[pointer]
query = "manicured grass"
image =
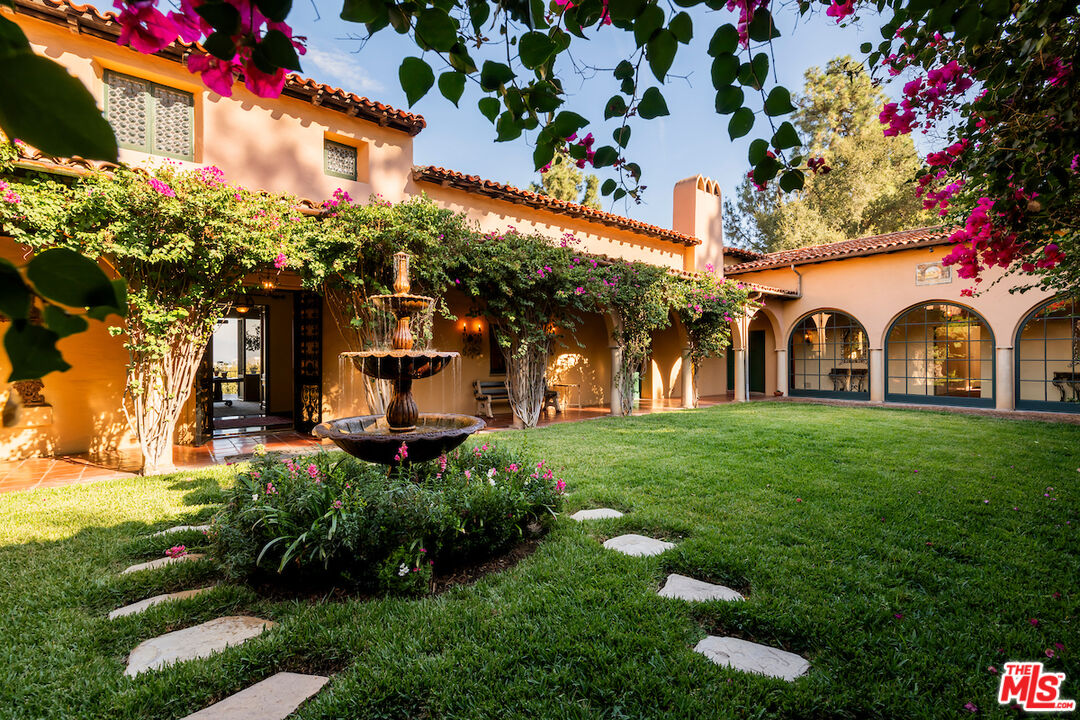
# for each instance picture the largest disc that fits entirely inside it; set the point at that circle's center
(882, 545)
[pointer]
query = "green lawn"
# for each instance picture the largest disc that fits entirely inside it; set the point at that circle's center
(901, 552)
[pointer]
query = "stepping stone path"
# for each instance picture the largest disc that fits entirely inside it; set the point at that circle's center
(194, 642)
(597, 514)
(275, 698)
(138, 607)
(686, 588)
(752, 657)
(638, 545)
(180, 528)
(161, 562)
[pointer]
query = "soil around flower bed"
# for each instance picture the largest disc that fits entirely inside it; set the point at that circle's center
(447, 577)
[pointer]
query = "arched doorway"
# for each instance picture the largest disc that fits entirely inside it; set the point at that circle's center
(828, 355)
(941, 354)
(1048, 358)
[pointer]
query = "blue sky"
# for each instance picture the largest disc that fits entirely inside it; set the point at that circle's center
(692, 140)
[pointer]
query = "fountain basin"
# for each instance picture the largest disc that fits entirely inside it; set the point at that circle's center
(395, 364)
(369, 437)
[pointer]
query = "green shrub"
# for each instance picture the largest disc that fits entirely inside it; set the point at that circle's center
(330, 515)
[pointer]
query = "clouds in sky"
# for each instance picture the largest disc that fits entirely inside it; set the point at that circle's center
(344, 68)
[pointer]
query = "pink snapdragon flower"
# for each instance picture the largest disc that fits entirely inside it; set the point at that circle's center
(176, 551)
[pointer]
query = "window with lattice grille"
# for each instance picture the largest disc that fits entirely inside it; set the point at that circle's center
(149, 117)
(339, 160)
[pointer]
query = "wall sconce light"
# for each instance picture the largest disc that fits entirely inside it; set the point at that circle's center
(808, 337)
(472, 335)
(242, 305)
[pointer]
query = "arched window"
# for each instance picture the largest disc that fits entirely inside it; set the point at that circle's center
(1048, 358)
(827, 357)
(941, 354)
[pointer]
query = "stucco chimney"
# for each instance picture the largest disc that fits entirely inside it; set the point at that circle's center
(697, 210)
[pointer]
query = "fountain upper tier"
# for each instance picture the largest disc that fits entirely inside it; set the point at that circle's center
(402, 305)
(395, 364)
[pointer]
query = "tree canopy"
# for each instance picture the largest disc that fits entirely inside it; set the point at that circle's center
(866, 187)
(562, 180)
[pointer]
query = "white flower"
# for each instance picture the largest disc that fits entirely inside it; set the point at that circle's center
(255, 498)
(403, 570)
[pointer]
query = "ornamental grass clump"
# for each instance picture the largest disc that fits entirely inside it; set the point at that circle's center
(334, 517)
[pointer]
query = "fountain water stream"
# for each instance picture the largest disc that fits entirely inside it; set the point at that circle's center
(377, 438)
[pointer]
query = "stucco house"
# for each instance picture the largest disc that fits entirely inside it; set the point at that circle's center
(876, 319)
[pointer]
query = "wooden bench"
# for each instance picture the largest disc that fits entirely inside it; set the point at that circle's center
(491, 391)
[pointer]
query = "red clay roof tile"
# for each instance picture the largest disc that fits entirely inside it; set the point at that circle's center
(509, 193)
(905, 239)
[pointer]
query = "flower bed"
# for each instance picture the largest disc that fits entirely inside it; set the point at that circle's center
(331, 515)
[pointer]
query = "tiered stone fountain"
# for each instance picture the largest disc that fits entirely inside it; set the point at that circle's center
(376, 438)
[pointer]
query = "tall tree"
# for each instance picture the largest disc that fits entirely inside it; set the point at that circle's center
(564, 181)
(864, 186)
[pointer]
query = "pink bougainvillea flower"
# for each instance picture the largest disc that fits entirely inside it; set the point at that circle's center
(189, 24)
(161, 187)
(840, 10)
(265, 85)
(143, 27)
(280, 261)
(217, 74)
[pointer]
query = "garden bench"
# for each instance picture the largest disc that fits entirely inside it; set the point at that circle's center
(1068, 384)
(490, 391)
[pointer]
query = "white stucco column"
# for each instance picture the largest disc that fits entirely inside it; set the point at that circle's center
(1004, 390)
(741, 388)
(781, 371)
(877, 375)
(616, 392)
(689, 396)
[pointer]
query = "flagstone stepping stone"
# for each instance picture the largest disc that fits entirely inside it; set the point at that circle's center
(752, 657)
(180, 528)
(138, 607)
(275, 698)
(597, 514)
(638, 545)
(194, 642)
(161, 562)
(687, 588)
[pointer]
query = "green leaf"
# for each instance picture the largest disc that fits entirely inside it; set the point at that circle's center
(220, 45)
(452, 85)
(661, 53)
(399, 19)
(725, 68)
(766, 170)
(682, 27)
(416, 78)
(619, 194)
(62, 323)
(729, 99)
(652, 105)
(624, 9)
(621, 135)
(460, 60)
(785, 137)
(489, 108)
(543, 100)
(724, 41)
(758, 148)
(741, 122)
(615, 107)
(32, 352)
(792, 180)
(866, 47)
(507, 128)
(624, 70)
(278, 49)
(778, 102)
(66, 277)
(761, 27)
(494, 75)
(479, 10)
(608, 187)
(221, 16)
(535, 49)
(362, 11)
(605, 156)
(756, 72)
(542, 154)
(118, 306)
(14, 295)
(274, 10)
(41, 104)
(567, 123)
(436, 30)
(12, 39)
(648, 22)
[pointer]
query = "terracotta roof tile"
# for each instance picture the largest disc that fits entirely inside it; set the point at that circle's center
(905, 239)
(88, 20)
(742, 253)
(509, 193)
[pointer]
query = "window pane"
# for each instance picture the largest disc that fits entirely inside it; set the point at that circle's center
(172, 122)
(340, 160)
(127, 109)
